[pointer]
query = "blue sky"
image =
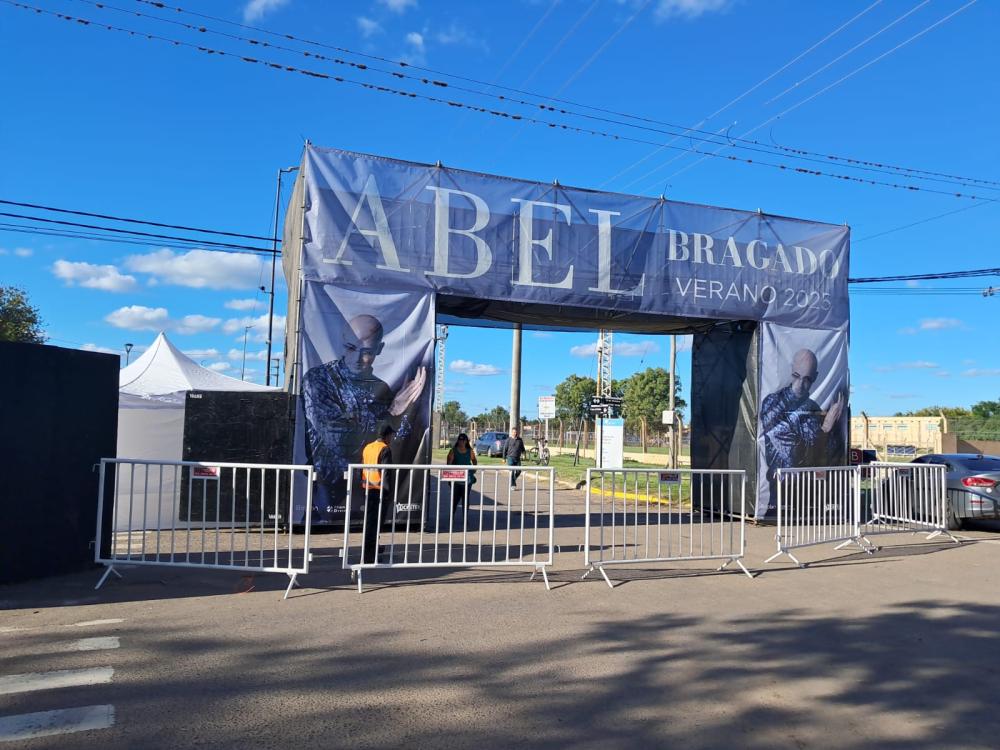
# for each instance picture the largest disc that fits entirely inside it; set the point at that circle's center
(110, 123)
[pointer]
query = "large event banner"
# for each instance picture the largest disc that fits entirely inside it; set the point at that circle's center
(367, 361)
(803, 418)
(387, 224)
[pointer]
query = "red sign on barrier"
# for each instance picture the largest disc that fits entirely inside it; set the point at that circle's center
(453, 475)
(205, 472)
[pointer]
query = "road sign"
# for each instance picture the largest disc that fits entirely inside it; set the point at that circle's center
(546, 407)
(668, 416)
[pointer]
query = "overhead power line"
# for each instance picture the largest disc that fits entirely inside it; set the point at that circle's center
(927, 276)
(455, 103)
(703, 135)
(132, 232)
(145, 222)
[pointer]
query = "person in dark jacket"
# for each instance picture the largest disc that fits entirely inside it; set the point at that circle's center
(513, 449)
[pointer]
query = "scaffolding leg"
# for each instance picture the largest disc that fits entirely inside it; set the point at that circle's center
(109, 571)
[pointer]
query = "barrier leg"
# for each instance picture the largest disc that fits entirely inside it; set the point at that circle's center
(359, 580)
(545, 576)
(863, 542)
(744, 569)
(781, 552)
(606, 579)
(109, 571)
(587, 572)
(292, 581)
(739, 562)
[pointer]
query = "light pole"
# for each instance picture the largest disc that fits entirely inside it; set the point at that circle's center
(243, 370)
(274, 259)
(128, 353)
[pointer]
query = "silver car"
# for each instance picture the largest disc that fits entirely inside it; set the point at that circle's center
(972, 482)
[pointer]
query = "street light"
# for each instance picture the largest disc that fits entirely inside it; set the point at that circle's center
(243, 371)
(128, 353)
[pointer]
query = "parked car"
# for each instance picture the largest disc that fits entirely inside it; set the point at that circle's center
(972, 484)
(490, 443)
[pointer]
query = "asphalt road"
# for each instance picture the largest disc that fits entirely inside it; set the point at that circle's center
(898, 649)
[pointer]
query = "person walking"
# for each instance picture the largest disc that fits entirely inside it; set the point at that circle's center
(462, 454)
(513, 449)
(377, 452)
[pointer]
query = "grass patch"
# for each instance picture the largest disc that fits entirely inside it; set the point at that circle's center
(565, 470)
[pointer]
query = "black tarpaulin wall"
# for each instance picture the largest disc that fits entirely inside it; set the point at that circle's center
(59, 419)
(724, 406)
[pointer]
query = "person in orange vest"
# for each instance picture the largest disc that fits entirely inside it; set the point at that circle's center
(377, 501)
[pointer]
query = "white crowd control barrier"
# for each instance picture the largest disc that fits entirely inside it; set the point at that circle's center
(817, 506)
(192, 514)
(433, 516)
(824, 505)
(636, 516)
(907, 497)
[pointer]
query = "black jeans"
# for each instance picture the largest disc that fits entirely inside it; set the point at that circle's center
(374, 522)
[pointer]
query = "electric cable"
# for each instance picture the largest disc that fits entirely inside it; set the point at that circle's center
(496, 113)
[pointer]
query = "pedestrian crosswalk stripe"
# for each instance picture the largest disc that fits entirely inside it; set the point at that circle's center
(26, 683)
(81, 644)
(61, 721)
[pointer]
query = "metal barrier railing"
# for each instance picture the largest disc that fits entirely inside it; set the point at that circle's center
(912, 497)
(828, 504)
(656, 515)
(194, 514)
(410, 517)
(817, 506)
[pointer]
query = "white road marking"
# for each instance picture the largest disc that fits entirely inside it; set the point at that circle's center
(85, 624)
(25, 683)
(90, 623)
(62, 721)
(81, 644)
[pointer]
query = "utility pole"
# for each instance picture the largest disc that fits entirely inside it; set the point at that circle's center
(673, 422)
(604, 353)
(243, 370)
(515, 379)
(274, 262)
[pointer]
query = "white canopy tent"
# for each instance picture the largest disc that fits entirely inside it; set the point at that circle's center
(151, 395)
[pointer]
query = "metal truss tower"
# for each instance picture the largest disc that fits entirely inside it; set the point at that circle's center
(442, 336)
(604, 351)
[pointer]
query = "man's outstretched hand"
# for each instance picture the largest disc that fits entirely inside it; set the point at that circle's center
(409, 393)
(833, 413)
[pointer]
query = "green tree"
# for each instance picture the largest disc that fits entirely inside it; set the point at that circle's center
(452, 414)
(935, 411)
(647, 394)
(572, 393)
(19, 319)
(498, 417)
(986, 409)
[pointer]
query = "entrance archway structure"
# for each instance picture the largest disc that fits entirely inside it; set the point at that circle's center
(377, 250)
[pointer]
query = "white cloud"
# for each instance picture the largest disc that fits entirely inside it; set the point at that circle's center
(220, 366)
(196, 324)
(456, 34)
(101, 349)
(943, 374)
(467, 367)
(23, 252)
(368, 27)
(416, 40)
(254, 10)
(933, 324)
(258, 330)
(139, 318)
(91, 276)
(982, 373)
(200, 269)
(918, 365)
(398, 6)
(688, 9)
(243, 305)
(620, 349)
(261, 356)
(202, 353)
